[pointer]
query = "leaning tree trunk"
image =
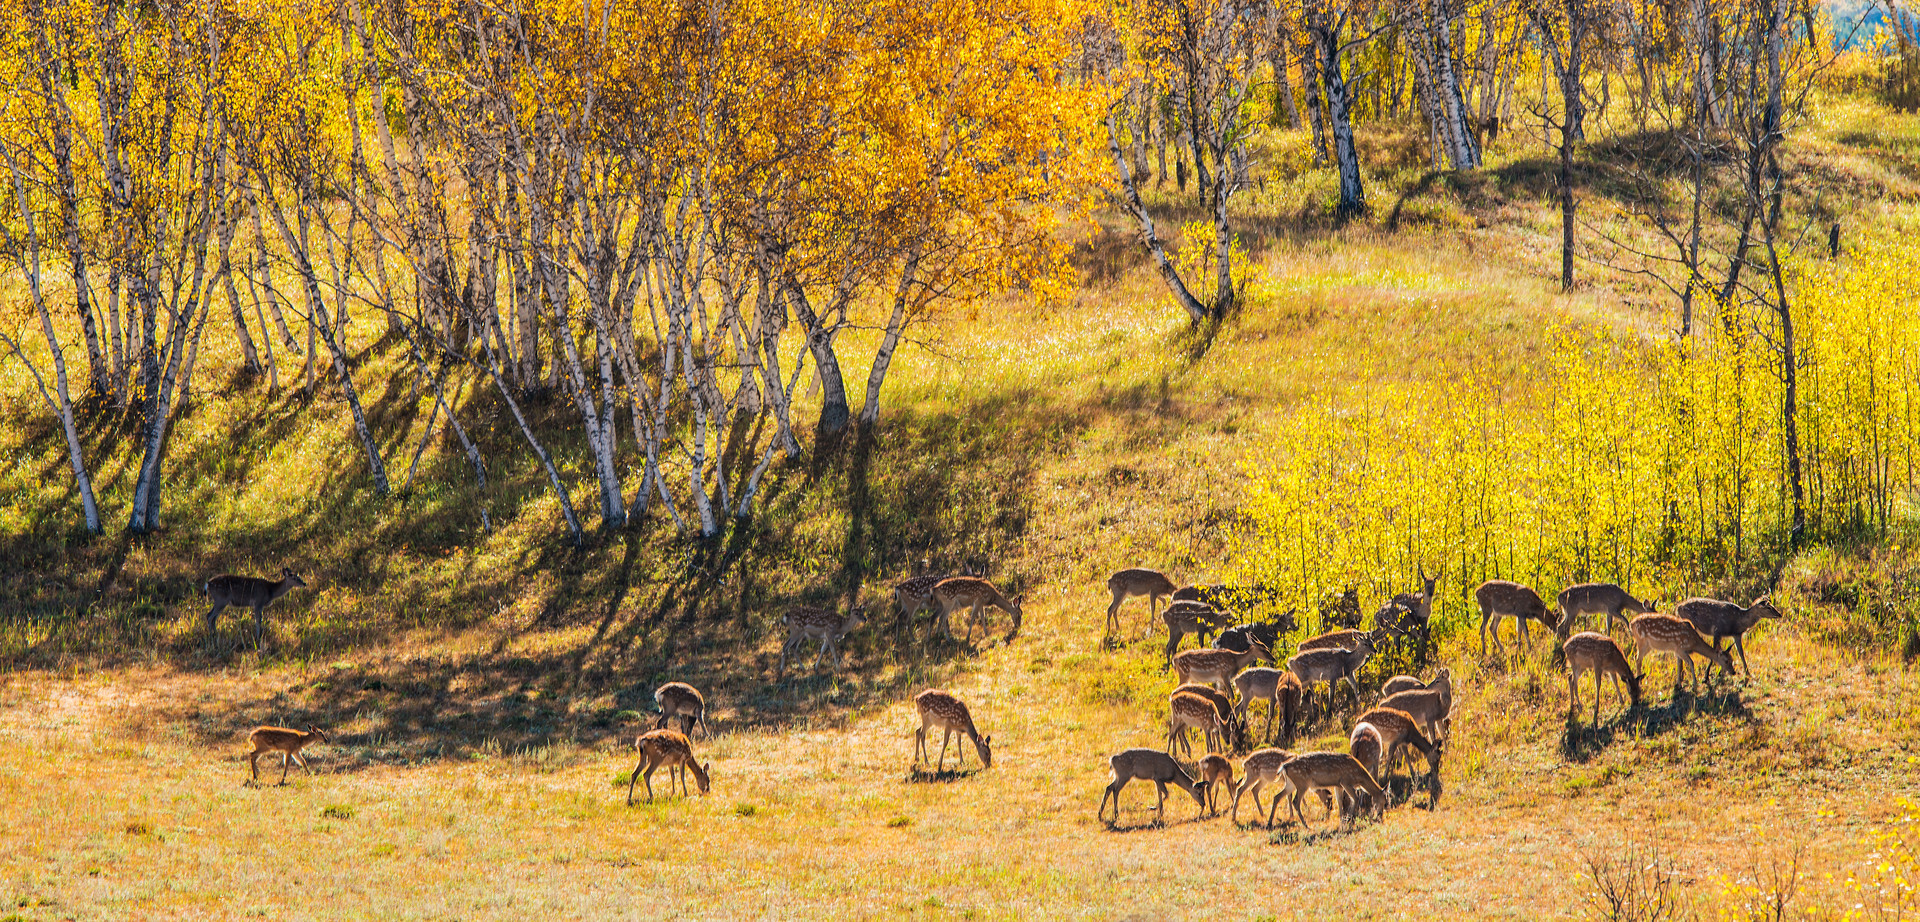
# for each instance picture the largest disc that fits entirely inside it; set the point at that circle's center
(1353, 197)
(1196, 312)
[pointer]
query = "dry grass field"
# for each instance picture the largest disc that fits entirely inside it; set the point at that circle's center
(482, 690)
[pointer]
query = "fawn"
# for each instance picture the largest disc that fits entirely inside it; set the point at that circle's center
(1658, 633)
(669, 749)
(1330, 665)
(1331, 771)
(284, 741)
(1190, 710)
(957, 592)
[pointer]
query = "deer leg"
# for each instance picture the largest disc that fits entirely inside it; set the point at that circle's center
(1113, 613)
(1739, 645)
(1298, 795)
(213, 618)
(254, 761)
(1160, 809)
(284, 759)
(635, 777)
(302, 763)
(945, 735)
(1173, 642)
(920, 745)
(1484, 616)
(1573, 692)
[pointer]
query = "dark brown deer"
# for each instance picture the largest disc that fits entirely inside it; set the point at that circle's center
(251, 591)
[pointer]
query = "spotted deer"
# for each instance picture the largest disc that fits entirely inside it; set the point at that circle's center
(1190, 710)
(1149, 765)
(1443, 680)
(974, 593)
(1331, 665)
(1432, 707)
(1261, 768)
(1217, 774)
(669, 749)
(1229, 718)
(1136, 581)
(1331, 771)
(1499, 598)
(284, 741)
(1658, 633)
(1217, 667)
(1279, 688)
(1343, 639)
(915, 595)
(1188, 617)
(1716, 619)
(1605, 599)
(806, 623)
(1597, 653)
(939, 709)
(250, 591)
(682, 702)
(1399, 731)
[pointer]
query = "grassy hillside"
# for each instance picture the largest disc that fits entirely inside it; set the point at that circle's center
(482, 687)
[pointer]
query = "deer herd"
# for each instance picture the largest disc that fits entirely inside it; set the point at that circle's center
(1216, 686)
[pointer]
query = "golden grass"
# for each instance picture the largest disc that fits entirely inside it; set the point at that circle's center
(481, 688)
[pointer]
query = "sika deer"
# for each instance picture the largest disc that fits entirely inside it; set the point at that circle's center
(1217, 774)
(1442, 683)
(1400, 729)
(1598, 654)
(913, 596)
(1189, 710)
(1331, 771)
(1132, 582)
(250, 591)
(1149, 765)
(1343, 639)
(284, 741)
(1716, 619)
(1501, 598)
(672, 750)
(682, 701)
(972, 592)
(1658, 633)
(1261, 768)
(950, 714)
(1217, 667)
(1597, 599)
(1432, 707)
(805, 623)
(1222, 704)
(1188, 617)
(1331, 666)
(1279, 688)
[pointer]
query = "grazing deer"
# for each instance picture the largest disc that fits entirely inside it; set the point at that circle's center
(957, 592)
(1501, 598)
(1606, 599)
(1188, 617)
(1717, 619)
(1598, 654)
(1261, 768)
(1442, 683)
(1343, 639)
(250, 591)
(1432, 707)
(1658, 633)
(1367, 747)
(1279, 688)
(1132, 582)
(1149, 765)
(1216, 667)
(1240, 636)
(1399, 730)
(287, 743)
(950, 714)
(1236, 730)
(682, 701)
(913, 596)
(1189, 710)
(1331, 771)
(1217, 774)
(806, 623)
(1330, 665)
(672, 750)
